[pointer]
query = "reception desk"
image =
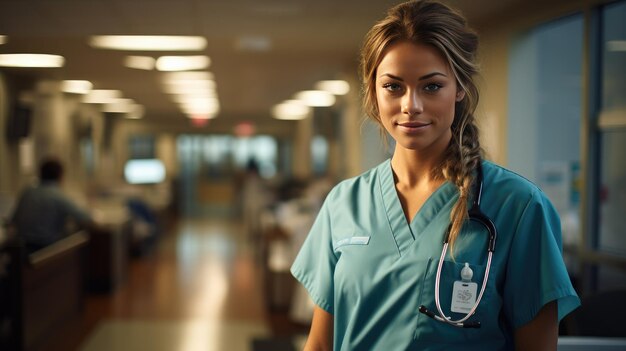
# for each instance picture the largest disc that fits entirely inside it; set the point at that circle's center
(108, 247)
(40, 293)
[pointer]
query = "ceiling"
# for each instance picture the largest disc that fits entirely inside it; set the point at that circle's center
(309, 41)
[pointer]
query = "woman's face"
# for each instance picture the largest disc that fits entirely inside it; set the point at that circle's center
(416, 93)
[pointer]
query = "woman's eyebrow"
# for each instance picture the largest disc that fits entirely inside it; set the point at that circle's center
(429, 75)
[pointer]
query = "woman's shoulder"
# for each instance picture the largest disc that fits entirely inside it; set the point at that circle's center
(510, 183)
(363, 183)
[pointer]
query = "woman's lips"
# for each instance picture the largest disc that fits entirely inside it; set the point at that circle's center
(413, 126)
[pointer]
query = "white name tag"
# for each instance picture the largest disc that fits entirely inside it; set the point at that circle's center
(354, 240)
(463, 296)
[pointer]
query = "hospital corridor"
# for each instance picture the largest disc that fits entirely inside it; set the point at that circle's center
(397, 174)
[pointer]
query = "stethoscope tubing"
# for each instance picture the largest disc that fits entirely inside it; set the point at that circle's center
(442, 316)
(477, 215)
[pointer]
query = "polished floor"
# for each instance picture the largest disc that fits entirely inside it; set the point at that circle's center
(201, 289)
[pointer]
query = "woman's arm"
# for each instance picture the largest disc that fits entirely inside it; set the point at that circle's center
(321, 334)
(541, 333)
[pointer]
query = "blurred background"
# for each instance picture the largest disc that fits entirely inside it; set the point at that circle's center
(204, 148)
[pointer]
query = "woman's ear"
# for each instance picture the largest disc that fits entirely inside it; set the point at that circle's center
(460, 94)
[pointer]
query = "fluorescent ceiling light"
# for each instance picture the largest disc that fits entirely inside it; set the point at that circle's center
(148, 42)
(200, 110)
(182, 63)
(316, 98)
(186, 76)
(192, 87)
(616, 45)
(291, 110)
(101, 96)
(206, 105)
(76, 86)
(195, 83)
(196, 101)
(3, 39)
(140, 62)
(119, 106)
(31, 60)
(336, 87)
(196, 89)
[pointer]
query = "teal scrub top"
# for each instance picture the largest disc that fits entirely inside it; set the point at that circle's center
(363, 263)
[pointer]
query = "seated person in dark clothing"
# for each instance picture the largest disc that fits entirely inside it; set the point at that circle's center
(43, 211)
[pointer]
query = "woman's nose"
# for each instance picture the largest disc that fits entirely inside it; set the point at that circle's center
(412, 104)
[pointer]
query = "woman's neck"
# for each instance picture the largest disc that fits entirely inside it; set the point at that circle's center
(413, 168)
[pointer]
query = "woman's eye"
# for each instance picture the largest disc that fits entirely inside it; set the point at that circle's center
(433, 87)
(393, 87)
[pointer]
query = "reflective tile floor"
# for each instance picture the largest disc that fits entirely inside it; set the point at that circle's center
(174, 335)
(199, 290)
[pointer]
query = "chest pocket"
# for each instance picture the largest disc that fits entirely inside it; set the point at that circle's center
(428, 329)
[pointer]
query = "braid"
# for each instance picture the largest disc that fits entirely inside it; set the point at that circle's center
(463, 157)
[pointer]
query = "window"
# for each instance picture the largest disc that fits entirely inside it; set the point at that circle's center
(612, 131)
(545, 92)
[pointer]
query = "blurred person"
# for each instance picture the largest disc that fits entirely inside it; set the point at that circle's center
(405, 256)
(42, 212)
(253, 198)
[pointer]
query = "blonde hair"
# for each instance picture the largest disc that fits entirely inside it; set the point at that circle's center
(433, 23)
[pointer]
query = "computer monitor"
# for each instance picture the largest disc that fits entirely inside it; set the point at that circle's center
(144, 171)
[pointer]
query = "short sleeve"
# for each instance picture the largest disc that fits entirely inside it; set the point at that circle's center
(536, 273)
(314, 265)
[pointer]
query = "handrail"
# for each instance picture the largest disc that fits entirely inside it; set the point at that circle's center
(581, 343)
(49, 252)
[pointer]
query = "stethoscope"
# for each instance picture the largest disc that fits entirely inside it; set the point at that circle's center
(476, 215)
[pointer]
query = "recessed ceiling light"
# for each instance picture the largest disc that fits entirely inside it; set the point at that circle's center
(182, 63)
(3, 39)
(291, 110)
(76, 86)
(316, 98)
(336, 87)
(31, 60)
(148, 42)
(140, 62)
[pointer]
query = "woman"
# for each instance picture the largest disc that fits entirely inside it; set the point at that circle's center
(371, 262)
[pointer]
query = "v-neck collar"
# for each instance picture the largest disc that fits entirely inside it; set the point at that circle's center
(404, 233)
